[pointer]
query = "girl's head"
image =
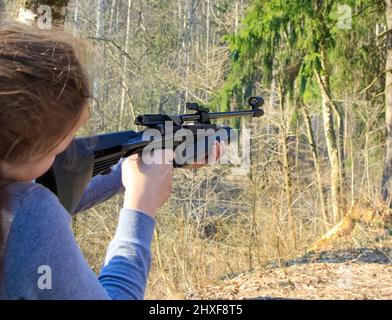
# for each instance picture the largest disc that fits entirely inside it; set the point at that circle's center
(43, 99)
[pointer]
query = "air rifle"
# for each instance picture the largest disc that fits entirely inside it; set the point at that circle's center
(87, 157)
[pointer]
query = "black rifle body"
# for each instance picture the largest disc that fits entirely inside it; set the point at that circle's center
(87, 157)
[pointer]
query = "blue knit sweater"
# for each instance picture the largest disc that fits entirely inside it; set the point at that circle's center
(43, 260)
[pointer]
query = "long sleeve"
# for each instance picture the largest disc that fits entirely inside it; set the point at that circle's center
(128, 253)
(101, 188)
(41, 235)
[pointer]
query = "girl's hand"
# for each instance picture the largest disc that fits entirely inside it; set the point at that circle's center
(147, 187)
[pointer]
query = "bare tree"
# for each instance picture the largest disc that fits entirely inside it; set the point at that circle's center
(124, 83)
(387, 174)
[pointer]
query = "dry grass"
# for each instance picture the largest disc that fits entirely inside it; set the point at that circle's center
(210, 230)
(191, 263)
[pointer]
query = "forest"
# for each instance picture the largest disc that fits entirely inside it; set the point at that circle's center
(320, 158)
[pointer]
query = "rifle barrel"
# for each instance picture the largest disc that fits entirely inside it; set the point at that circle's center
(159, 119)
(220, 115)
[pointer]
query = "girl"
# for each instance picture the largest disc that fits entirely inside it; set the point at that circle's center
(44, 94)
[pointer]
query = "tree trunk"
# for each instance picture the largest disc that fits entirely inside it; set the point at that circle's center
(236, 17)
(207, 38)
(112, 17)
(316, 161)
(97, 121)
(124, 83)
(387, 174)
(286, 167)
(330, 137)
(340, 145)
(76, 18)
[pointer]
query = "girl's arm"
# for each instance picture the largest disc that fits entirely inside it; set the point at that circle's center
(45, 262)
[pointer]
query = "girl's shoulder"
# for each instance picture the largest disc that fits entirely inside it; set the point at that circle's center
(28, 194)
(37, 227)
(28, 201)
(17, 190)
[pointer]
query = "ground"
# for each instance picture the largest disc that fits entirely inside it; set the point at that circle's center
(356, 267)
